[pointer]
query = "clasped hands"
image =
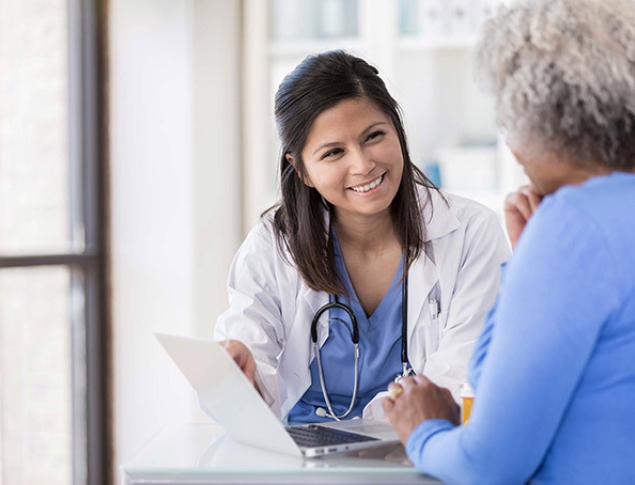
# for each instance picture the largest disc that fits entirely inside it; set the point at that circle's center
(417, 399)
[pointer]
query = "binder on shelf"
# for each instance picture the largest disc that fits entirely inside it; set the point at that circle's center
(432, 18)
(337, 18)
(292, 20)
(409, 17)
(460, 17)
(432, 170)
(483, 10)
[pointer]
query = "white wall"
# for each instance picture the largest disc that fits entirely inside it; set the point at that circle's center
(175, 192)
(217, 168)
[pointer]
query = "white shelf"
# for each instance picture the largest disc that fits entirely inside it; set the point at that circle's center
(282, 49)
(414, 43)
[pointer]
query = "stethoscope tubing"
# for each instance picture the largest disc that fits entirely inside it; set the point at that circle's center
(337, 417)
(404, 328)
(341, 306)
(406, 370)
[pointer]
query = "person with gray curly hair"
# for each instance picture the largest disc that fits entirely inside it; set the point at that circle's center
(554, 369)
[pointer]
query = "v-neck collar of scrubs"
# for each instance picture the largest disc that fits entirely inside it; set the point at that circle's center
(348, 284)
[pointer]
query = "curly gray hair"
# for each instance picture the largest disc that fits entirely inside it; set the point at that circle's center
(563, 72)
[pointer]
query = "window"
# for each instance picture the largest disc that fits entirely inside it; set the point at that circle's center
(53, 345)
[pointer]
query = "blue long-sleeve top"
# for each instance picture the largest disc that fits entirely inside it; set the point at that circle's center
(554, 369)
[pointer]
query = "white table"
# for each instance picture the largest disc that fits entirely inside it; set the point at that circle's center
(200, 453)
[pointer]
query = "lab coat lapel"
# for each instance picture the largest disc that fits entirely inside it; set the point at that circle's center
(315, 301)
(298, 349)
(424, 272)
(422, 277)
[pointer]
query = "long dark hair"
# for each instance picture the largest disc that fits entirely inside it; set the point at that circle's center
(318, 83)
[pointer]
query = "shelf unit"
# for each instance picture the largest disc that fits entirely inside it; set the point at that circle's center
(429, 75)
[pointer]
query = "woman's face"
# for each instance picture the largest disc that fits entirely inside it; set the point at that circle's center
(537, 166)
(547, 170)
(353, 158)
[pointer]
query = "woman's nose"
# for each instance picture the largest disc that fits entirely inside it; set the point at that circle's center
(362, 163)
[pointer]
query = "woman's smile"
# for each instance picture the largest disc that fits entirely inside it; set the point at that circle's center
(368, 188)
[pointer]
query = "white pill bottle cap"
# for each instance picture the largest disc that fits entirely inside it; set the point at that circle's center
(466, 391)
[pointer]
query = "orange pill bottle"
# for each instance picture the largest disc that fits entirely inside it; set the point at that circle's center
(467, 398)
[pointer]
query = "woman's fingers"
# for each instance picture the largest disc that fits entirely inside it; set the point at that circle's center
(421, 379)
(394, 390)
(387, 405)
(533, 198)
(242, 356)
(407, 382)
(519, 202)
(447, 394)
(519, 206)
(455, 410)
(525, 201)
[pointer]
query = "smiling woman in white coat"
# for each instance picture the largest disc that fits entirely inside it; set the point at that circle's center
(364, 271)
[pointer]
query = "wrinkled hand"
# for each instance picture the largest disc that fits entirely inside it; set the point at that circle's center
(519, 206)
(420, 400)
(242, 356)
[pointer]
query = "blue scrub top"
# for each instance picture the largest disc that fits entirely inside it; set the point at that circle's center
(379, 359)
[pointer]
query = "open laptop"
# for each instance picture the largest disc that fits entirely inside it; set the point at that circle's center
(226, 395)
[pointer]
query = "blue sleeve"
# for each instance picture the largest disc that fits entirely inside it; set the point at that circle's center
(479, 352)
(559, 291)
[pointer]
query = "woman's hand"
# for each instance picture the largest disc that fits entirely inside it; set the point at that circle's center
(419, 399)
(242, 356)
(519, 206)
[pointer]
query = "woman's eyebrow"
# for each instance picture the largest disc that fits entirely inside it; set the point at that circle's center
(326, 145)
(373, 125)
(336, 143)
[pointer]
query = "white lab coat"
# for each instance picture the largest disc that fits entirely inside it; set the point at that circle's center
(271, 308)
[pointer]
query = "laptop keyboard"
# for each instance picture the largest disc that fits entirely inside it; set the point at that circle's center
(314, 435)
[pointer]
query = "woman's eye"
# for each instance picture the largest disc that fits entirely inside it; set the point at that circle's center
(375, 134)
(332, 153)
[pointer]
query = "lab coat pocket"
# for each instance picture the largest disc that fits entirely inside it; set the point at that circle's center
(431, 331)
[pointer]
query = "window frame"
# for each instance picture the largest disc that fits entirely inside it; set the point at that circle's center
(87, 260)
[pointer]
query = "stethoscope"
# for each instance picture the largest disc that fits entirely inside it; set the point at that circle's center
(406, 369)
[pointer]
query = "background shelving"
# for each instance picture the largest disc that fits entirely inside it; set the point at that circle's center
(423, 50)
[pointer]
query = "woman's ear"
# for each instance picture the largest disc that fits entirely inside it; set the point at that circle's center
(305, 179)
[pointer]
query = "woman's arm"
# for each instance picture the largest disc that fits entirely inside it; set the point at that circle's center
(548, 319)
(254, 316)
(484, 249)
